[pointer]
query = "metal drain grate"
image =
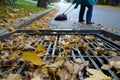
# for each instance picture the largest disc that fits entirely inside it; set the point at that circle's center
(96, 57)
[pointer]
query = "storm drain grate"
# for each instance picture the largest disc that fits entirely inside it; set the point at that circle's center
(90, 47)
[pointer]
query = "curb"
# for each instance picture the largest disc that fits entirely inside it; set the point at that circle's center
(29, 20)
(3, 30)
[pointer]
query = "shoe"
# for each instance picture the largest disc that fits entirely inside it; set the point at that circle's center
(81, 20)
(89, 22)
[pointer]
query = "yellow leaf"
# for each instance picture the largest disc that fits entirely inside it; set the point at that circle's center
(40, 48)
(11, 19)
(13, 56)
(32, 25)
(65, 52)
(97, 75)
(33, 58)
(11, 28)
(61, 57)
(1, 46)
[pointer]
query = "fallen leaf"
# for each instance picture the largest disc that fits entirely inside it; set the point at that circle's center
(5, 54)
(83, 46)
(40, 48)
(61, 57)
(106, 67)
(36, 78)
(33, 58)
(13, 55)
(115, 62)
(97, 75)
(64, 43)
(69, 46)
(32, 25)
(1, 46)
(14, 77)
(47, 38)
(118, 72)
(2, 25)
(11, 28)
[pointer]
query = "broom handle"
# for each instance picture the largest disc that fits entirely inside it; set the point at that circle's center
(67, 9)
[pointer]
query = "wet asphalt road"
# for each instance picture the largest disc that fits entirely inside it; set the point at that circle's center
(108, 18)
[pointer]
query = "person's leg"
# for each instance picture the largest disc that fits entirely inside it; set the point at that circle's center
(81, 13)
(89, 15)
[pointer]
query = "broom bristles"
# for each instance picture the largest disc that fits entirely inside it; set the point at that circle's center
(61, 17)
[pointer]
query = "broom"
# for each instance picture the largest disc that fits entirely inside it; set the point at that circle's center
(63, 16)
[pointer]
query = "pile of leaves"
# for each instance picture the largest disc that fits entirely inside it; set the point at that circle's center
(61, 69)
(12, 15)
(42, 23)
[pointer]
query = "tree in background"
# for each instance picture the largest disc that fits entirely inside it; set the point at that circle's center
(53, 0)
(42, 3)
(103, 2)
(109, 2)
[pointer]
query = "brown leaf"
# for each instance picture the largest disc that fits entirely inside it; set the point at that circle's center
(1, 46)
(14, 77)
(11, 28)
(40, 49)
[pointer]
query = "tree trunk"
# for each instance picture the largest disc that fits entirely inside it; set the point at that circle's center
(116, 2)
(107, 2)
(42, 3)
(119, 2)
(111, 2)
(48, 1)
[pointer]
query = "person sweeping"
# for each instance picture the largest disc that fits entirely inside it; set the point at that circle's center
(85, 3)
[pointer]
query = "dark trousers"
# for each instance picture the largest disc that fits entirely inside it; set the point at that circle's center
(88, 15)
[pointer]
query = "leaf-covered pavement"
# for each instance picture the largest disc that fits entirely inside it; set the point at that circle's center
(17, 15)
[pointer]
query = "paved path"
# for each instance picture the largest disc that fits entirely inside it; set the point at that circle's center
(108, 18)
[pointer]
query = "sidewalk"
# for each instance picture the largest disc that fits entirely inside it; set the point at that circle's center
(106, 17)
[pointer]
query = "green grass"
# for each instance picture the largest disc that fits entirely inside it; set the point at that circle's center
(3, 9)
(21, 4)
(28, 6)
(51, 4)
